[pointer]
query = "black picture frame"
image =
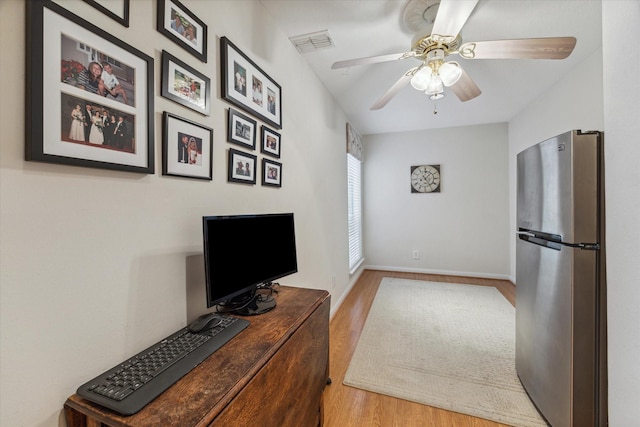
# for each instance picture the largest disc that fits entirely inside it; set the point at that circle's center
(187, 148)
(190, 33)
(237, 167)
(241, 129)
(239, 73)
(425, 179)
(55, 130)
(116, 10)
(271, 173)
(181, 83)
(270, 142)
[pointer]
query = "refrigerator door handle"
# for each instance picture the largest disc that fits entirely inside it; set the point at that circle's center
(525, 233)
(536, 240)
(552, 244)
(540, 234)
(584, 246)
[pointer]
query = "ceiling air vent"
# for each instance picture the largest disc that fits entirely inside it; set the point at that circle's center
(306, 43)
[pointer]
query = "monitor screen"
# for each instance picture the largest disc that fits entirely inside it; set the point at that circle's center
(244, 251)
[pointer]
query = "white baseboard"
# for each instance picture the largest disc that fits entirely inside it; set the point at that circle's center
(353, 279)
(444, 272)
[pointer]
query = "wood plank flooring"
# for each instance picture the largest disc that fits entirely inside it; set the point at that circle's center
(351, 407)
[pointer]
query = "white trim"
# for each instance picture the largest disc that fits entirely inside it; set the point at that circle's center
(444, 272)
(357, 266)
(353, 279)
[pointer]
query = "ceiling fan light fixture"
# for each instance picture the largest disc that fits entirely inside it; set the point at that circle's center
(450, 73)
(421, 79)
(435, 97)
(435, 85)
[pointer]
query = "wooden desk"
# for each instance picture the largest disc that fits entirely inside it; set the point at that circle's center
(271, 374)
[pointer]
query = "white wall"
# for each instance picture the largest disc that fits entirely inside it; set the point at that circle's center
(93, 263)
(621, 21)
(463, 229)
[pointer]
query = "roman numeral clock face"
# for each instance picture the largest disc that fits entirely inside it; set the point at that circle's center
(425, 179)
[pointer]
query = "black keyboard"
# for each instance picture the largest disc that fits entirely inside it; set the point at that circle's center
(129, 386)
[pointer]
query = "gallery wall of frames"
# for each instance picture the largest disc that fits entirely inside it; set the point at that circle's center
(99, 111)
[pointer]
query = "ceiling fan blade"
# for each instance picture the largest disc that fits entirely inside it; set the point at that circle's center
(372, 60)
(397, 86)
(451, 17)
(465, 88)
(541, 48)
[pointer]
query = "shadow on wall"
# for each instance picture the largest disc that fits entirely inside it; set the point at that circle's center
(195, 289)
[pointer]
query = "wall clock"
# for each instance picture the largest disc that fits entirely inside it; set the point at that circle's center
(425, 179)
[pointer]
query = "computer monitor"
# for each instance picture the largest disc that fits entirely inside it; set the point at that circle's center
(243, 253)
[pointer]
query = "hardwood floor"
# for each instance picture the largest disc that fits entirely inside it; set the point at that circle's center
(351, 407)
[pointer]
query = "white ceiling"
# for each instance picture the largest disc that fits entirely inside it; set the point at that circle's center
(362, 28)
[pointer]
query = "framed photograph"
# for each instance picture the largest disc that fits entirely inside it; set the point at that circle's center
(183, 27)
(270, 142)
(241, 167)
(184, 85)
(241, 129)
(187, 148)
(247, 87)
(114, 9)
(97, 111)
(271, 173)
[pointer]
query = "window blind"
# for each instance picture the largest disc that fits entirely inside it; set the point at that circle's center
(355, 210)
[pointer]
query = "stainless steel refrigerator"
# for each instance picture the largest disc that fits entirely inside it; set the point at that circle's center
(560, 279)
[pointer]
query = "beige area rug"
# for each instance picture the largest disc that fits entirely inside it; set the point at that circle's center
(445, 345)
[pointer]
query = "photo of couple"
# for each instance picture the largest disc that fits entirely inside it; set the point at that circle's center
(241, 167)
(86, 68)
(189, 149)
(183, 27)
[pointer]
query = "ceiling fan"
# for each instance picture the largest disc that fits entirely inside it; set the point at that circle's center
(436, 25)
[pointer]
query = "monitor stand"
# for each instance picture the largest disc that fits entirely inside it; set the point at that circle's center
(259, 303)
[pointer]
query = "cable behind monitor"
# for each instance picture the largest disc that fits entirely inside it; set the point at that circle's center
(257, 301)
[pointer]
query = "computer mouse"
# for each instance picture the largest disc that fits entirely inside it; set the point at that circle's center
(204, 322)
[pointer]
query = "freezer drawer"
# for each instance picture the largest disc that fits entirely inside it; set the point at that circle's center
(556, 331)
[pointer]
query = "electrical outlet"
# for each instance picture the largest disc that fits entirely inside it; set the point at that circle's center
(416, 254)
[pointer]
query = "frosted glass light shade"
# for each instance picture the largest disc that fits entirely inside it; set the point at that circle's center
(435, 85)
(450, 72)
(420, 80)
